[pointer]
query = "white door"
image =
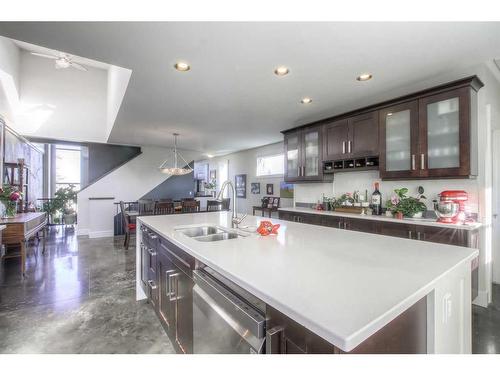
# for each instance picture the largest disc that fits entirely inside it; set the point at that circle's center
(496, 207)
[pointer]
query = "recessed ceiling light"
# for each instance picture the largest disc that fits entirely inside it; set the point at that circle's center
(182, 66)
(281, 71)
(306, 100)
(364, 77)
(210, 156)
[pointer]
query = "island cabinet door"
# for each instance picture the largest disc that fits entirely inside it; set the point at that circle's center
(285, 336)
(398, 230)
(165, 305)
(183, 296)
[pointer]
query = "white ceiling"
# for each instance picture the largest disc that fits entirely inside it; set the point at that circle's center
(231, 100)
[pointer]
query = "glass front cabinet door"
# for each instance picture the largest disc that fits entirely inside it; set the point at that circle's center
(399, 141)
(292, 156)
(445, 134)
(311, 157)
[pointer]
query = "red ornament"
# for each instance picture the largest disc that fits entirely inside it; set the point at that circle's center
(266, 228)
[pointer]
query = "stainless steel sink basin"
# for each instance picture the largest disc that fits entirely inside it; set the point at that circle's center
(200, 231)
(210, 233)
(217, 237)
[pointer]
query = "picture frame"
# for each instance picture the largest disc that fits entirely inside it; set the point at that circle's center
(241, 185)
(269, 189)
(286, 190)
(255, 187)
(213, 174)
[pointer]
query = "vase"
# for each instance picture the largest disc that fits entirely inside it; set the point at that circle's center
(10, 209)
(417, 215)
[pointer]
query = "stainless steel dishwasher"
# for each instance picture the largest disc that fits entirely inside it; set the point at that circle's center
(226, 318)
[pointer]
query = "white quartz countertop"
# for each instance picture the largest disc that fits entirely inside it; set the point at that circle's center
(342, 285)
(423, 221)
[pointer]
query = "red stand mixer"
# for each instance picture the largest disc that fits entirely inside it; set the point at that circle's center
(451, 206)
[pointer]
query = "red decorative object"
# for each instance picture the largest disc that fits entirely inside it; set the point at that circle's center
(266, 228)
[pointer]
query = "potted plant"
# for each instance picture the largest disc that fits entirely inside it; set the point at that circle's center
(402, 205)
(10, 196)
(210, 186)
(64, 202)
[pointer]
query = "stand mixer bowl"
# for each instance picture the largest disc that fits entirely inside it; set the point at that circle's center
(447, 211)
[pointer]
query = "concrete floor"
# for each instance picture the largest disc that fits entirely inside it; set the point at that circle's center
(79, 297)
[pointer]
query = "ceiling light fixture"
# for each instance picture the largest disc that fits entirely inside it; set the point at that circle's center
(175, 170)
(281, 71)
(364, 77)
(306, 100)
(182, 66)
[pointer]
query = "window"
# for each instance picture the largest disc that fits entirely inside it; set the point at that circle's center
(68, 166)
(270, 165)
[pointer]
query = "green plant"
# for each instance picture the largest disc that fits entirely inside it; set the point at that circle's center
(210, 185)
(344, 199)
(63, 202)
(406, 205)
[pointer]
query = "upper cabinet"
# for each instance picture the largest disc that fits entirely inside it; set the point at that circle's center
(428, 134)
(351, 137)
(303, 160)
(433, 136)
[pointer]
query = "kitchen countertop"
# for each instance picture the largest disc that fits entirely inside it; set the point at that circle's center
(342, 285)
(423, 221)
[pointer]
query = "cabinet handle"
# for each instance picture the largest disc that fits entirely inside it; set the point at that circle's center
(345, 225)
(340, 223)
(422, 161)
(152, 284)
(151, 252)
(172, 296)
(349, 147)
(413, 164)
(303, 171)
(343, 147)
(298, 171)
(274, 340)
(418, 236)
(409, 234)
(153, 237)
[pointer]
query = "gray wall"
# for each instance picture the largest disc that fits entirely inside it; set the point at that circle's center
(175, 187)
(103, 158)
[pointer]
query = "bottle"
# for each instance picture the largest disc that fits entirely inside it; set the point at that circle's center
(376, 201)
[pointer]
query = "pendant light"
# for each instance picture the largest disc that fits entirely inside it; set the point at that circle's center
(175, 170)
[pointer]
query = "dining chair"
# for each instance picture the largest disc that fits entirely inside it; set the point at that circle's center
(214, 205)
(146, 207)
(129, 227)
(164, 208)
(190, 206)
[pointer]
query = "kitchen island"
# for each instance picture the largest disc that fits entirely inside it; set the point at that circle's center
(345, 287)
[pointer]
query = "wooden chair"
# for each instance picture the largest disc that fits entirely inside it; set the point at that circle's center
(146, 207)
(129, 227)
(190, 206)
(164, 208)
(214, 205)
(269, 205)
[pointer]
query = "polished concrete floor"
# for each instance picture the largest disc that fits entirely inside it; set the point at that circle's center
(79, 297)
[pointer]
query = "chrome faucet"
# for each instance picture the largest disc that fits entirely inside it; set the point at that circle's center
(235, 220)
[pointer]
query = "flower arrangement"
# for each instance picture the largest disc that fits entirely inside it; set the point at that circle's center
(345, 199)
(402, 205)
(10, 195)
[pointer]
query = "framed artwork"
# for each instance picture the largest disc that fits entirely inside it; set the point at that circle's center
(255, 187)
(213, 175)
(269, 189)
(241, 185)
(286, 190)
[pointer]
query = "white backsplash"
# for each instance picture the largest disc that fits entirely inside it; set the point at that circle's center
(351, 181)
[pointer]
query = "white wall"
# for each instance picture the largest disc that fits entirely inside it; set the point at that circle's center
(245, 162)
(64, 104)
(118, 79)
(128, 183)
(9, 78)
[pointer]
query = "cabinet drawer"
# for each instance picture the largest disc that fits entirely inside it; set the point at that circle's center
(180, 258)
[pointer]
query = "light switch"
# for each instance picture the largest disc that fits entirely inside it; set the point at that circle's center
(447, 305)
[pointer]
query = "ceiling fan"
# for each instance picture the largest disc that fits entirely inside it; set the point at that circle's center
(62, 61)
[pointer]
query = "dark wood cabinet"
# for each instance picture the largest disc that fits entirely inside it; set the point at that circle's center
(360, 225)
(336, 135)
(363, 135)
(303, 160)
(397, 230)
(351, 137)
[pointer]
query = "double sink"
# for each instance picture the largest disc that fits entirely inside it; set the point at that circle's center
(210, 233)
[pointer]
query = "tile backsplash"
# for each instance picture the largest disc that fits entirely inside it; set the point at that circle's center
(351, 181)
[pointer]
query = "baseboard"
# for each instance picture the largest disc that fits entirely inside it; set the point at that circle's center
(481, 299)
(101, 233)
(82, 232)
